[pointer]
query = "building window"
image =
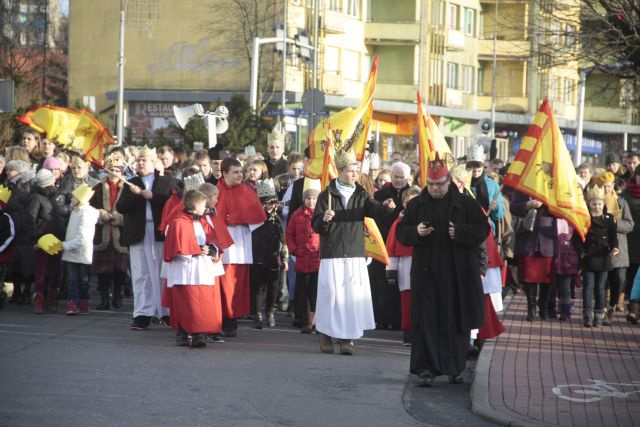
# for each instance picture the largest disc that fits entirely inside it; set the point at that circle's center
(353, 8)
(452, 76)
(331, 59)
(436, 13)
(436, 72)
(334, 5)
(568, 91)
(467, 79)
(452, 19)
(469, 22)
(350, 65)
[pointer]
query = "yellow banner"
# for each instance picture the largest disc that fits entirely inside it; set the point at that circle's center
(430, 142)
(374, 246)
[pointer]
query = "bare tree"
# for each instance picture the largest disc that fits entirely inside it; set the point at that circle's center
(235, 30)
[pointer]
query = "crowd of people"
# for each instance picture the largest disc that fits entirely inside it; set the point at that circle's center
(200, 240)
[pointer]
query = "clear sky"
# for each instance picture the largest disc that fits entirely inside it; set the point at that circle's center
(64, 7)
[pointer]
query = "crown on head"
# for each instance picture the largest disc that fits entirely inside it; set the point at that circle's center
(250, 150)
(148, 152)
(344, 158)
(461, 173)
(276, 135)
(595, 192)
(83, 193)
(439, 166)
(475, 153)
(193, 182)
(5, 193)
(374, 161)
(266, 188)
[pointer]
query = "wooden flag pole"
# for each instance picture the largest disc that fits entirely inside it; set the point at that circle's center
(329, 194)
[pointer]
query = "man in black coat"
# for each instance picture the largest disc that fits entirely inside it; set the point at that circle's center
(445, 229)
(141, 203)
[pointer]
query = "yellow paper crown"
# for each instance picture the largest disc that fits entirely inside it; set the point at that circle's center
(148, 152)
(50, 244)
(345, 158)
(5, 193)
(461, 173)
(595, 192)
(83, 193)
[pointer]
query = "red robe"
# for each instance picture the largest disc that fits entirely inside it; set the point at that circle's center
(194, 308)
(170, 210)
(395, 248)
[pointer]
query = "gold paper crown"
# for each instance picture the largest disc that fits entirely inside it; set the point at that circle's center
(50, 244)
(276, 135)
(265, 188)
(461, 173)
(83, 193)
(148, 152)
(595, 192)
(475, 153)
(193, 182)
(344, 159)
(5, 193)
(250, 150)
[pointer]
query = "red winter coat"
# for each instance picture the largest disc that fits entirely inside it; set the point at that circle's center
(303, 242)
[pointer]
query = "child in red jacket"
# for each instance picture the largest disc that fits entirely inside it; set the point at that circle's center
(304, 244)
(400, 267)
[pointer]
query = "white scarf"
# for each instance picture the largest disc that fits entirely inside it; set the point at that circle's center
(346, 192)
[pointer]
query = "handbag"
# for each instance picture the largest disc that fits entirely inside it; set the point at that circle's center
(526, 224)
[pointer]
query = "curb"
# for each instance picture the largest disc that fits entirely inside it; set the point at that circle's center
(480, 388)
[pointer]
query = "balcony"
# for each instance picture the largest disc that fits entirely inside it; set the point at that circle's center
(511, 49)
(396, 91)
(607, 114)
(391, 32)
(332, 83)
(455, 40)
(335, 22)
(504, 104)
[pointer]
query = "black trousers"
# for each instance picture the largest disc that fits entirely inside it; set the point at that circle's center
(306, 292)
(263, 287)
(616, 279)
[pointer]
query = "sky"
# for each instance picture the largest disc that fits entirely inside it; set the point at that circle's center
(64, 7)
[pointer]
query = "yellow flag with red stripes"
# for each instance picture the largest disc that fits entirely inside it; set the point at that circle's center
(543, 169)
(374, 246)
(329, 170)
(349, 129)
(430, 142)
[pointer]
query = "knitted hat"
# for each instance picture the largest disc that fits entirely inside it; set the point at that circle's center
(310, 192)
(604, 178)
(45, 178)
(611, 158)
(51, 163)
(19, 166)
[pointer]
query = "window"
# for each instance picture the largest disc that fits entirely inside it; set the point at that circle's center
(467, 79)
(436, 71)
(555, 34)
(469, 22)
(331, 59)
(568, 91)
(452, 76)
(452, 19)
(481, 77)
(351, 65)
(334, 5)
(436, 13)
(353, 8)
(570, 39)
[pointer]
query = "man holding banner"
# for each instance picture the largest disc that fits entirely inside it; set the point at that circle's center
(343, 306)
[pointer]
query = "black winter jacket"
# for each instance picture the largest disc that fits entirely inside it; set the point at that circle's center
(595, 252)
(343, 236)
(44, 212)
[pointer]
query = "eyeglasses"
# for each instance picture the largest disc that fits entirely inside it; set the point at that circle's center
(437, 184)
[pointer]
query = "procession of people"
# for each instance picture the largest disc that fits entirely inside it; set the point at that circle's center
(203, 242)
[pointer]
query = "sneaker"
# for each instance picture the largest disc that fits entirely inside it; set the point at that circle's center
(84, 306)
(217, 338)
(72, 308)
(140, 323)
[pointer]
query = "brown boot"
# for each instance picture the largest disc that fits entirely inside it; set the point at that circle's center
(608, 317)
(39, 308)
(346, 347)
(326, 343)
(307, 328)
(620, 303)
(633, 312)
(52, 300)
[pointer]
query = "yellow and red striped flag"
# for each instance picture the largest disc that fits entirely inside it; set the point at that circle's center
(430, 142)
(329, 170)
(349, 127)
(543, 170)
(75, 130)
(374, 246)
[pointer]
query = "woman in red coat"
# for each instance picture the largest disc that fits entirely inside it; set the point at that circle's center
(304, 244)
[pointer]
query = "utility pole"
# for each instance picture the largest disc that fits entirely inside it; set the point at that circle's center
(283, 102)
(121, 59)
(314, 73)
(493, 74)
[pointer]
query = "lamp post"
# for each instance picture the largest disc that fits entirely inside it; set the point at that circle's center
(121, 59)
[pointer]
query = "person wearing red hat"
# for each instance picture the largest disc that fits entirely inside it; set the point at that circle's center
(445, 228)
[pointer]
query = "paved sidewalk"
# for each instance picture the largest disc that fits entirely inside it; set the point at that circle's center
(559, 373)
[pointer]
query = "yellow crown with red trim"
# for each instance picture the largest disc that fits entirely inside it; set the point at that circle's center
(5, 193)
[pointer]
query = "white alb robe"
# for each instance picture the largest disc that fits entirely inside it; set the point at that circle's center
(146, 260)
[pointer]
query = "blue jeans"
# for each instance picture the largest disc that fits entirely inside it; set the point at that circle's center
(78, 276)
(563, 285)
(635, 290)
(593, 285)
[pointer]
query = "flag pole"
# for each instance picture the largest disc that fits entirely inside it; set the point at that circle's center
(329, 194)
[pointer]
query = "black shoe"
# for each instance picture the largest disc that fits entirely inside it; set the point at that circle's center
(117, 303)
(531, 314)
(425, 379)
(406, 338)
(229, 328)
(140, 323)
(181, 340)
(473, 351)
(198, 341)
(166, 320)
(456, 379)
(257, 324)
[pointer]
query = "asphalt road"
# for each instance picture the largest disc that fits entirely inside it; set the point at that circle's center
(93, 371)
